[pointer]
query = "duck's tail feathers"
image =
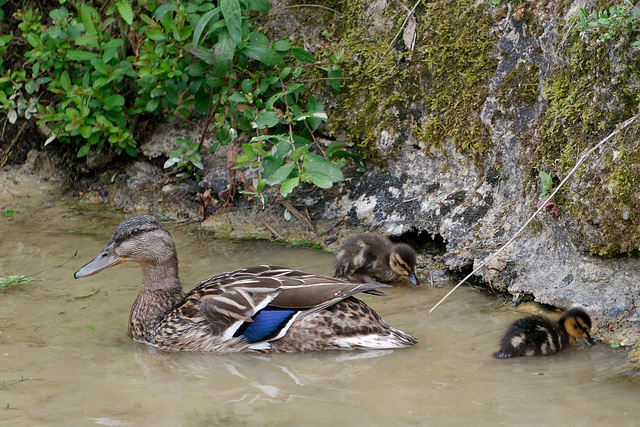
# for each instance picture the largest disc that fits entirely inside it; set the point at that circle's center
(395, 339)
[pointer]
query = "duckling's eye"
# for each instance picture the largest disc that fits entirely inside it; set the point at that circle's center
(135, 231)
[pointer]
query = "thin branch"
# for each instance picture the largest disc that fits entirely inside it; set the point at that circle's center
(315, 141)
(272, 230)
(287, 204)
(397, 35)
(542, 206)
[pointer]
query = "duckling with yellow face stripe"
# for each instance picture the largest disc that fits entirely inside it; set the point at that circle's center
(372, 257)
(541, 336)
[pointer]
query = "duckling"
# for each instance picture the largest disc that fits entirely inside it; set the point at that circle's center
(541, 336)
(371, 257)
(255, 309)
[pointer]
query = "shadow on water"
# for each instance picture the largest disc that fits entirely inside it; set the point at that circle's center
(66, 360)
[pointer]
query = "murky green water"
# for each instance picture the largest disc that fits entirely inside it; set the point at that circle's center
(65, 358)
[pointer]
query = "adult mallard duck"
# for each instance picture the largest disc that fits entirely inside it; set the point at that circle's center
(372, 256)
(541, 336)
(263, 308)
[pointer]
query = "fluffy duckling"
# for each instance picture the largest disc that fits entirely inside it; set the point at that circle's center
(541, 336)
(254, 309)
(371, 257)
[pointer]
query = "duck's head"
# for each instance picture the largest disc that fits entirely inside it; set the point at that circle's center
(142, 239)
(403, 262)
(577, 323)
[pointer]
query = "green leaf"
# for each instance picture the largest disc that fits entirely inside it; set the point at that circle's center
(113, 102)
(259, 5)
(65, 81)
(583, 16)
(321, 180)
(152, 105)
(202, 24)
(88, 15)
(285, 73)
(281, 174)
(172, 96)
(124, 9)
(100, 81)
(233, 17)
(319, 166)
(112, 44)
(315, 105)
(196, 69)
(223, 54)
(264, 54)
(248, 150)
(261, 185)
(156, 34)
(241, 161)
(281, 46)
(30, 86)
(33, 39)
(246, 86)
(335, 79)
(298, 153)
(237, 98)
(258, 37)
(131, 151)
(288, 186)
(91, 40)
(80, 55)
(266, 119)
(274, 160)
(84, 150)
(302, 55)
(85, 131)
(162, 10)
(99, 65)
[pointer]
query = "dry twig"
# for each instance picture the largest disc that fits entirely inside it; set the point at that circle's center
(272, 230)
(397, 35)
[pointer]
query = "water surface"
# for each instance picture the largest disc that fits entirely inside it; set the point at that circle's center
(65, 358)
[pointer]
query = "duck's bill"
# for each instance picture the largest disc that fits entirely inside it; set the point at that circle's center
(102, 261)
(413, 279)
(588, 340)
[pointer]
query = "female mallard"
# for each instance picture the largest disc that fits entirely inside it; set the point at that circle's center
(540, 336)
(263, 308)
(371, 256)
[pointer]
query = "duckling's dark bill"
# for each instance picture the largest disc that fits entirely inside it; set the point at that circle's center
(102, 261)
(413, 279)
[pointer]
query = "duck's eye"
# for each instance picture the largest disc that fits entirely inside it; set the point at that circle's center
(135, 231)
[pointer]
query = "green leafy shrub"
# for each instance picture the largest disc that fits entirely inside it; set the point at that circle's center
(77, 59)
(186, 158)
(619, 18)
(106, 68)
(238, 94)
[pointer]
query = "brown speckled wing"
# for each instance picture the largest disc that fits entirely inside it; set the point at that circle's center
(238, 293)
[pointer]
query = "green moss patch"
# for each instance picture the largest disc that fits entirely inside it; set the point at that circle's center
(593, 89)
(435, 91)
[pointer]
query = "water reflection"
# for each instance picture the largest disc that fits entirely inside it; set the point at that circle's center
(273, 378)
